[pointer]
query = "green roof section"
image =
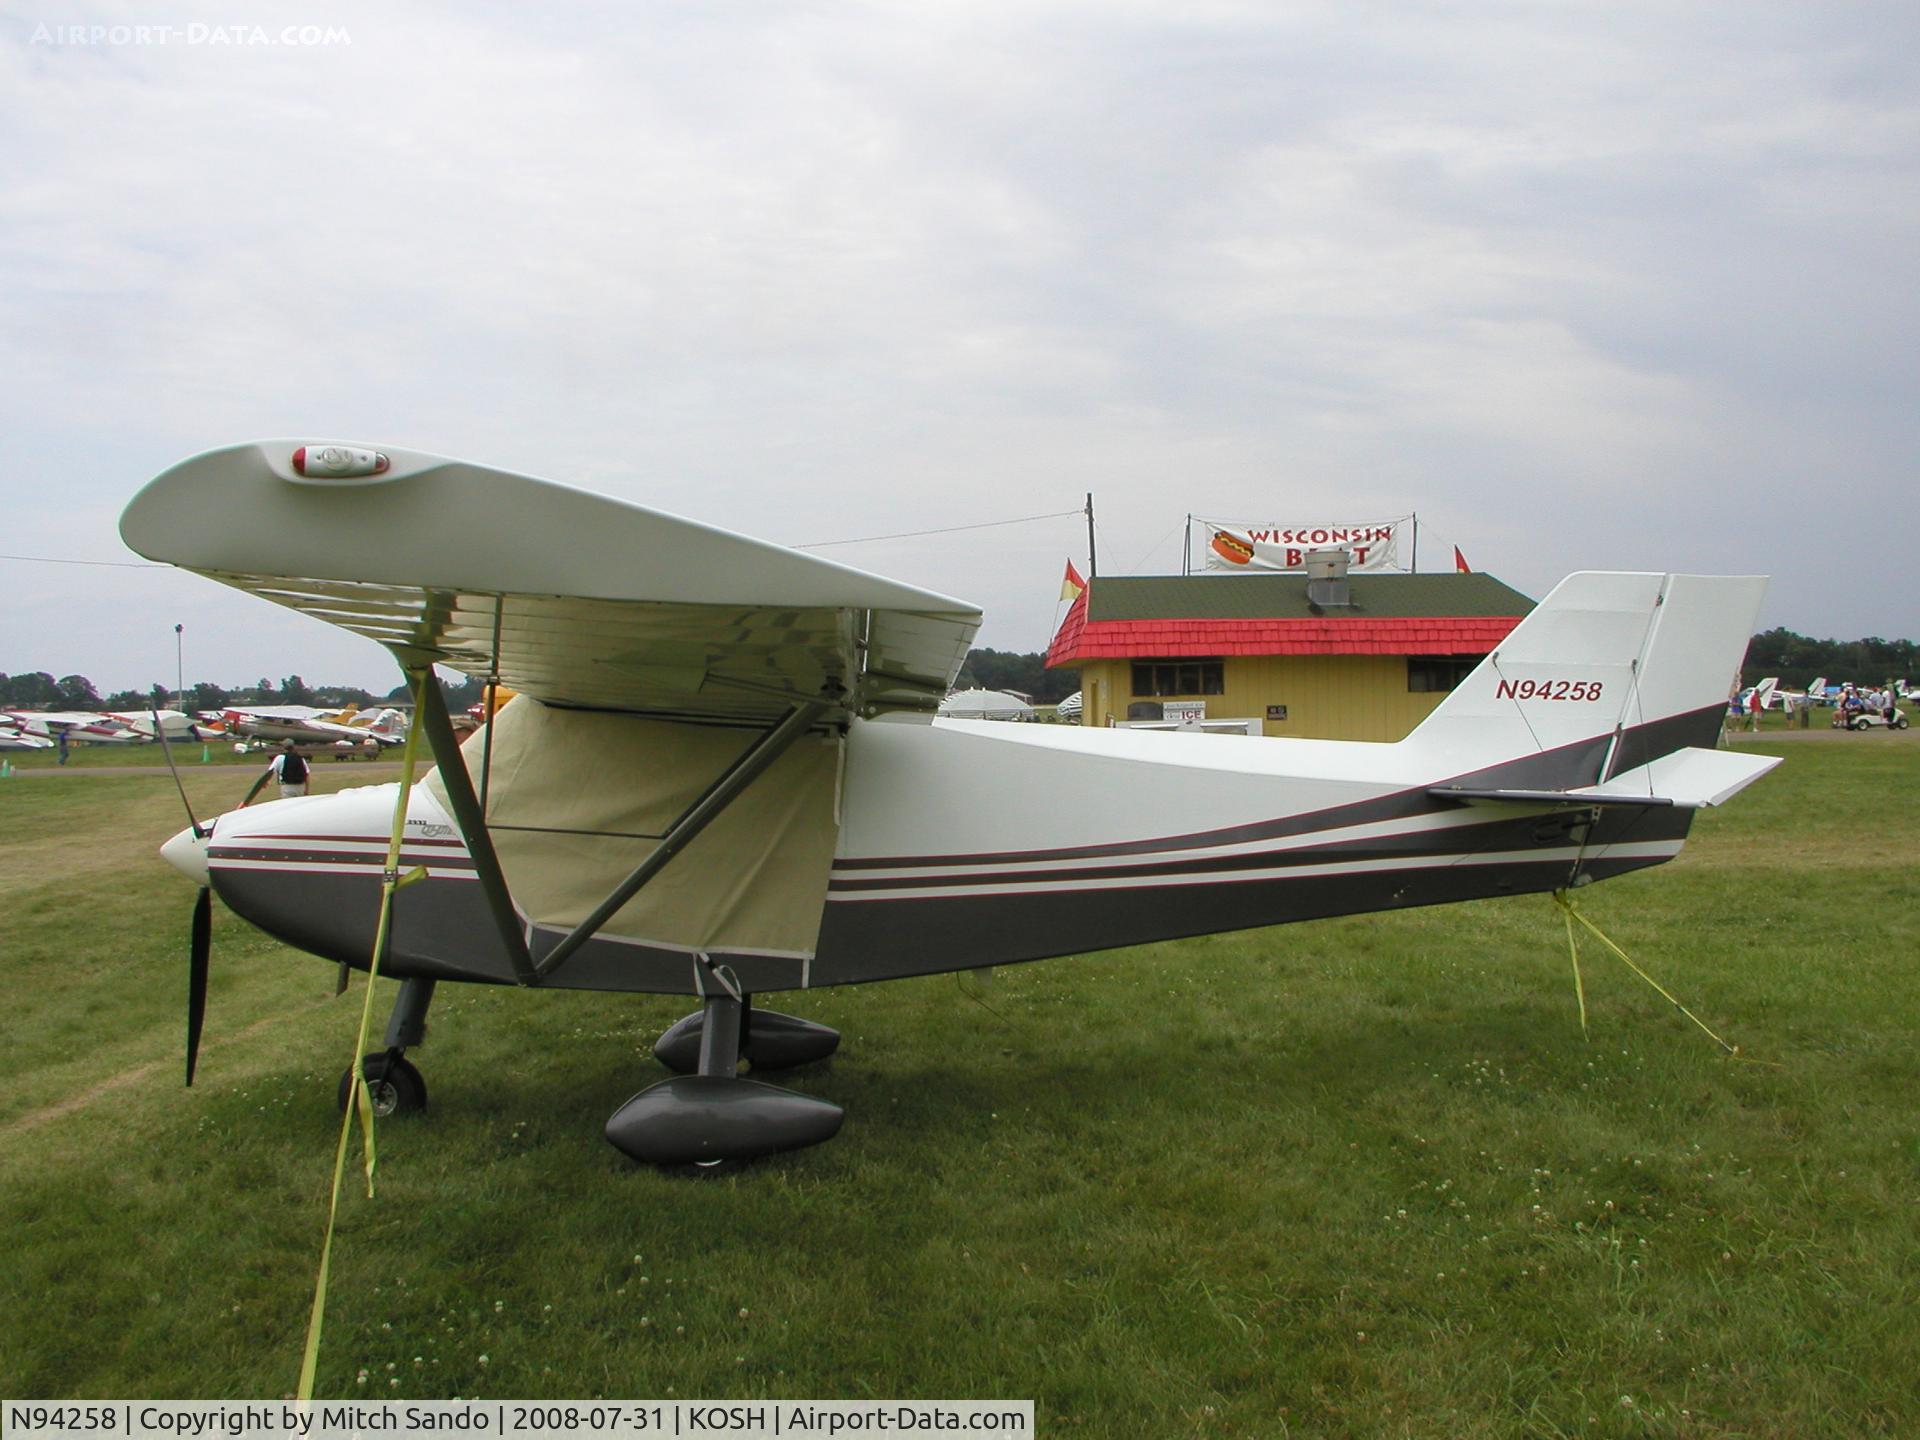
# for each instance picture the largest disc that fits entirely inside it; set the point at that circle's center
(1284, 597)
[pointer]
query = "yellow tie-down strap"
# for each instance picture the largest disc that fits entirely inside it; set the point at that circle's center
(1572, 912)
(359, 1103)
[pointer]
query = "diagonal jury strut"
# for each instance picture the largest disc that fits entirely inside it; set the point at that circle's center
(759, 757)
(473, 826)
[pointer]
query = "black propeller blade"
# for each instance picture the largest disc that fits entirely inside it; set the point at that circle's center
(201, 945)
(197, 954)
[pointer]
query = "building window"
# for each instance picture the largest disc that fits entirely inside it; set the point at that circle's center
(1179, 677)
(1430, 674)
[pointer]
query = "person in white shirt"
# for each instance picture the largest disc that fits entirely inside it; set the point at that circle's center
(289, 770)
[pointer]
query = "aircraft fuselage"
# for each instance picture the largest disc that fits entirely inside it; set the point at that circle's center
(970, 843)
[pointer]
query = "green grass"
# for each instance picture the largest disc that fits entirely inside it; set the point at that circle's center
(1360, 1177)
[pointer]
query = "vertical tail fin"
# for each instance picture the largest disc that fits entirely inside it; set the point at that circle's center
(1609, 671)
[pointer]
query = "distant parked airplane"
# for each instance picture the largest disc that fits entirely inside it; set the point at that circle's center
(1773, 697)
(92, 727)
(311, 724)
(103, 727)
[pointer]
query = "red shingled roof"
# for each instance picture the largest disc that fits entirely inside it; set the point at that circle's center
(1061, 652)
(1181, 616)
(1079, 641)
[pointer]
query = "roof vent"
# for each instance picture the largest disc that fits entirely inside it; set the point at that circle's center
(1327, 584)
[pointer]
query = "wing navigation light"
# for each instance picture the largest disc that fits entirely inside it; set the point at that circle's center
(338, 462)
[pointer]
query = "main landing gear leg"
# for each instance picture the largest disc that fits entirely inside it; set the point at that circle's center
(768, 1040)
(715, 1116)
(393, 1084)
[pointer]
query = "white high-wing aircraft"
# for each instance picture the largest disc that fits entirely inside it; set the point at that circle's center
(383, 726)
(1773, 696)
(1800, 699)
(105, 727)
(177, 724)
(95, 727)
(771, 714)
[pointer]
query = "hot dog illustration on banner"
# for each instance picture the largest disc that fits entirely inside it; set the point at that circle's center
(1370, 545)
(1231, 548)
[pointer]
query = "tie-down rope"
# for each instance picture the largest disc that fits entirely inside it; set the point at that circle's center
(1565, 901)
(359, 1102)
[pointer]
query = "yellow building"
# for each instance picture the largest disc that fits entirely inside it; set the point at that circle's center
(1363, 657)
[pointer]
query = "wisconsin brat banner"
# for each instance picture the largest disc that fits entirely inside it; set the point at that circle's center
(1370, 545)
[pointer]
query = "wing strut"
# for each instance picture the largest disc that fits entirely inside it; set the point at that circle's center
(756, 760)
(473, 826)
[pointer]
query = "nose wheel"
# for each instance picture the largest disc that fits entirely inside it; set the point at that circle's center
(394, 1086)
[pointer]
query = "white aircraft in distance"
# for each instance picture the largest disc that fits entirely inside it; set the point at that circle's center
(384, 726)
(177, 724)
(1774, 697)
(105, 727)
(1814, 694)
(91, 727)
(722, 776)
(1762, 695)
(13, 738)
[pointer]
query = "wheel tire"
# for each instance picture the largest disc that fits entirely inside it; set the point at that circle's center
(393, 1084)
(1901, 723)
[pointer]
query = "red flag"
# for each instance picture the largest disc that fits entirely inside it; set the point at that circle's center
(1072, 585)
(1460, 562)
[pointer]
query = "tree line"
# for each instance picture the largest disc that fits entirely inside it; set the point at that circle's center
(1795, 658)
(40, 691)
(1798, 659)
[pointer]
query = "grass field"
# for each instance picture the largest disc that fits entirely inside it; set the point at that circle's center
(1361, 1177)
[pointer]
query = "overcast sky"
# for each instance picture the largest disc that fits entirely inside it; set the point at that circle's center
(1587, 285)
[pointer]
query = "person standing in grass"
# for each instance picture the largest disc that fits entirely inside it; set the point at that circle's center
(289, 769)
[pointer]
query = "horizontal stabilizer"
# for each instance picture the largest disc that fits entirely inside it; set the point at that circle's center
(1692, 778)
(1687, 779)
(1583, 799)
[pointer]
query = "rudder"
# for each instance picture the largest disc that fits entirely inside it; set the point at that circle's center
(1647, 657)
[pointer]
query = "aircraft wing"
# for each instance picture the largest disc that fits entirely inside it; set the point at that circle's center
(1692, 777)
(339, 730)
(89, 724)
(299, 713)
(292, 727)
(571, 597)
